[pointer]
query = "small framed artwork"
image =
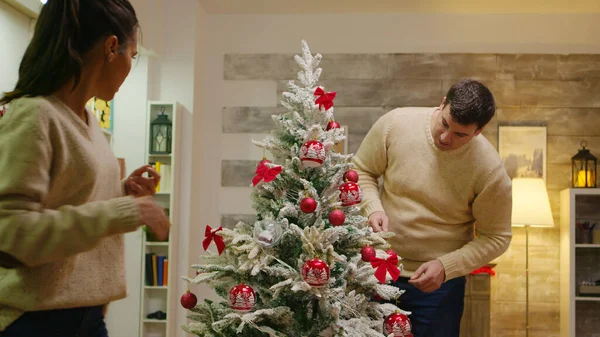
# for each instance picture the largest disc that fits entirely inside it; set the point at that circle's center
(342, 147)
(102, 110)
(523, 147)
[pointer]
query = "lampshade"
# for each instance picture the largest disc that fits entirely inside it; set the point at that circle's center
(531, 205)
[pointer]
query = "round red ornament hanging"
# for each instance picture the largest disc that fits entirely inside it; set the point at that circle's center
(242, 298)
(390, 252)
(308, 205)
(397, 324)
(351, 176)
(350, 194)
(315, 272)
(332, 125)
(188, 300)
(337, 217)
(312, 153)
(367, 253)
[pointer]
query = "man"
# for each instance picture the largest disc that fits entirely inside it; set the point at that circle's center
(440, 177)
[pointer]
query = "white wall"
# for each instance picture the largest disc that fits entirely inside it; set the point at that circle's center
(14, 37)
(129, 142)
(177, 62)
(168, 30)
(346, 33)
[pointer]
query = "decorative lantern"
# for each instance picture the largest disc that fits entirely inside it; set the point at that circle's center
(161, 134)
(584, 168)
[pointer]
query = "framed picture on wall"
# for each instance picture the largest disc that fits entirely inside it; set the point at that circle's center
(523, 148)
(103, 112)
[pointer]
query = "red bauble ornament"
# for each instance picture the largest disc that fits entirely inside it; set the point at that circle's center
(391, 252)
(308, 205)
(315, 272)
(397, 324)
(351, 176)
(312, 153)
(350, 194)
(188, 300)
(242, 298)
(337, 217)
(332, 125)
(367, 253)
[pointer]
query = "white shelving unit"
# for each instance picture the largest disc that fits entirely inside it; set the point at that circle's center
(578, 261)
(160, 297)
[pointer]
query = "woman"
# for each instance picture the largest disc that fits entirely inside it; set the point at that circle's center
(63, 211)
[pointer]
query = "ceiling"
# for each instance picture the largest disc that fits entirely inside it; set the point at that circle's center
(398, 6)
(30, 8)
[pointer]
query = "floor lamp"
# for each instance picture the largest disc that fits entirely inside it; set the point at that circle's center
(531, 208)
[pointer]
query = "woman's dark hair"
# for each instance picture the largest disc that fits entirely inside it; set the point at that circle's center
(471, 102)
(65, 31)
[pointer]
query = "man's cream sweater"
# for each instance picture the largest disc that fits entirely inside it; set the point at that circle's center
(62, 211)
(433, 198)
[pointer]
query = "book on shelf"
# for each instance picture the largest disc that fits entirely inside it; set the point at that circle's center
(164, 169)
(156, 270)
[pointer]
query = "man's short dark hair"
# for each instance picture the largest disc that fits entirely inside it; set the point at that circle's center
(471, 102)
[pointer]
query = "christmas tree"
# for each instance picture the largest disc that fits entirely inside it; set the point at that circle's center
(309, 265)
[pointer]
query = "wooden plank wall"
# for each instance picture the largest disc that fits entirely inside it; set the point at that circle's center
(561, 90)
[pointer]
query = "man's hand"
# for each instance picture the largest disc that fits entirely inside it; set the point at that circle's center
(378, 221)
(429, 276)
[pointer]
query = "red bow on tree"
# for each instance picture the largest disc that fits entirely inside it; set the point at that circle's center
(484, 270)
(263, 171)
(325, 99)
(384, 266)
(210, 235)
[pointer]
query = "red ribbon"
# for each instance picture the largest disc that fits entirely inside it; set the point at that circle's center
(484, 270)
(325, 99)
(384, 266)
(210, 235)
(265, 172)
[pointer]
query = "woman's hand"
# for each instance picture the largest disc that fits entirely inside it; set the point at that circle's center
(138, 186)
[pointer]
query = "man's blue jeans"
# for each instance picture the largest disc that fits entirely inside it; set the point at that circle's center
(77, 322)
(435, 314)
